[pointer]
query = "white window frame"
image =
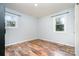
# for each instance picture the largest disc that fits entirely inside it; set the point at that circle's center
(12, 15)
(54, 24)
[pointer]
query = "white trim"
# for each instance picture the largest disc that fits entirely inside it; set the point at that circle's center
(54, 23)
(37, 39)
(18, 42)
(61, 43)
(12, 16)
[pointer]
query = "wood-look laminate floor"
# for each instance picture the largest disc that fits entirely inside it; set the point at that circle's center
(39, 48)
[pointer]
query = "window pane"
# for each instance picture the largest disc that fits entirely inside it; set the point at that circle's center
(59, 27)
(59, 20)
(11, 23)
(60, 24)
(10, 20)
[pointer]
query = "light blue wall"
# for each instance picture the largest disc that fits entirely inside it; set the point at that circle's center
(46, 31)
(26, 29)
(41, 28)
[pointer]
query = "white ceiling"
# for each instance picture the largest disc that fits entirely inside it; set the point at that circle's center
(43, 9)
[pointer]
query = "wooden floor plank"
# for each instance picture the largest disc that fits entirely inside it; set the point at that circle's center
(39, 48)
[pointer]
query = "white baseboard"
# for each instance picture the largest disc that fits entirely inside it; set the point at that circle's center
(59, 42)
(41, 39)
(18, 42)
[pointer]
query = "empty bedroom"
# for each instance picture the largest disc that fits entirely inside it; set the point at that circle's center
(39, 29)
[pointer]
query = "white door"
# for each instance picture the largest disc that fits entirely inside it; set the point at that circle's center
(77, 29)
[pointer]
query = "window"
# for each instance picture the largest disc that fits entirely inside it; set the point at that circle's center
(59, 23)
(10, 20)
